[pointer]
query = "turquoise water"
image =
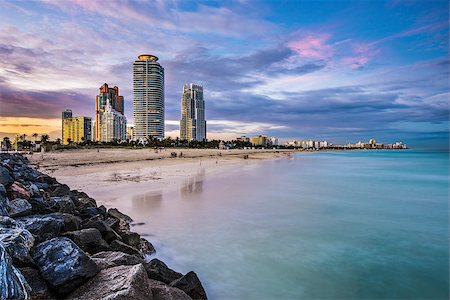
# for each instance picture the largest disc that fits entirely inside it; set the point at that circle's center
(347, 225)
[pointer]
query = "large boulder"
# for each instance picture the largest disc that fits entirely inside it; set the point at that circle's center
(63, 264)
(43, 227)
(114, 212)
(146, 247)
(191, 285)
(18, 190)
(39, 288)
(109, 259)
(71, 222)
(89, 212)
(97, 222)
(162, 291)
(131, 238)
(61, 204)
(5, 177)
(19, 207)
(59, 190)
(116, 283)
(3, 201)
(122, 247)
(158, 270)
(90, 240)
(12, 284)
(16, 240)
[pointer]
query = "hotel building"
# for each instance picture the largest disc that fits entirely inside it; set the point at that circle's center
(148, 97)
(192, 124)
(75, 129)
(110, 121)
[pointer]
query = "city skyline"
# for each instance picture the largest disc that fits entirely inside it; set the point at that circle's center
(339, 71)
(193, 123)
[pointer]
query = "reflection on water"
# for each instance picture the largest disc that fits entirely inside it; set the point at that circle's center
(194, 184)
(147, 201)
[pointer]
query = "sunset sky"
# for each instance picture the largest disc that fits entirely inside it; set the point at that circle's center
(341, 71)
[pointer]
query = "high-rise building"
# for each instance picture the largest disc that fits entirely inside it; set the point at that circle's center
(65, 115)
(110, 121)
(192, 124)
(75, 129)
(148, 102)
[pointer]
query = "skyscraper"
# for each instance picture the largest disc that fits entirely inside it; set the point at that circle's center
(192, 124)
(148, 102)
(110, 121)
(67, 114)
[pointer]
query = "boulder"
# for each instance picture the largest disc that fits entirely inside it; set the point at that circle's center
(43, 227)
(13, 284)
(61, 204)
(40, 205)
(39, 288)
(159, 271)
(107, 232)
(59, 190)
(5, 177)
(109, 259)
(19, 207)
(63, 264)
(146, 247)
(114, 212)
(90, 240)
(131, 238)
(18, 190)
(117, 245)
(89, 212)
(15, 240)
(3, 201)
(162, 291)
(191, 285)
(116, 283)
(71, 222)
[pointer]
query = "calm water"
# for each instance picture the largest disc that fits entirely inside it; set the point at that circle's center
(359, 224)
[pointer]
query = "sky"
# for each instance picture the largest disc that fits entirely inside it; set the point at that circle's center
(341, 71)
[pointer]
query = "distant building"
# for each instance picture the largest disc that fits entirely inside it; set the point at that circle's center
(67, 114)
(259, 140)
(130, 131)
(76, 129)
(274, 141)
(110, 121)
(244, 139)
(148, 97)
(192, 123)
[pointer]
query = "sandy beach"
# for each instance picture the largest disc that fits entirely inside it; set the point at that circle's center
(104, 173)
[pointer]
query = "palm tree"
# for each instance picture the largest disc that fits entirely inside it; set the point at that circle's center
(35, 135)
(58, 141)
(44, 138)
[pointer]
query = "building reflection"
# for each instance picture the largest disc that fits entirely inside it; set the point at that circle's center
(147, 202)
(194, 184)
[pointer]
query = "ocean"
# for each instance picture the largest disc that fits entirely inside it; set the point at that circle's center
(324, 225)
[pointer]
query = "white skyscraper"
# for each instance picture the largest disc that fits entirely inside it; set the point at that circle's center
(192, 124)
(148, 102)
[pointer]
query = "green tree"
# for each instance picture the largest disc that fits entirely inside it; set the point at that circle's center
(44, 138)
(35, 135)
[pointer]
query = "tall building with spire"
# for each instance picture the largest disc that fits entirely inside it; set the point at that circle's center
(192, 124)
(110, 121)
(148, 101)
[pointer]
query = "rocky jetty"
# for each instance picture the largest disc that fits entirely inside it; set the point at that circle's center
(56, 243)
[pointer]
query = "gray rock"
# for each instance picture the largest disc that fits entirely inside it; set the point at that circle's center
(146, 247)
(13, 284)
(191, 285)
(39, 288)
(114, 212)
(5, 177)
(116, 283)
(43, 227)
(16, 240)
(71, 222)
(122, 247)
(131, 238)
(107, 232)
(89, 212)
(109, 259)
(63, 264)
(163, 291)
(61, 204)
(19, 207)
(3, 201)
(90, 240)
(158, 270)
(59, 190)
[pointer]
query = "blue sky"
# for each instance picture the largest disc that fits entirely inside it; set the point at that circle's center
(343, 71)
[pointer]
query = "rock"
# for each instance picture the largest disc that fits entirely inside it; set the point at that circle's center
(13, 284)
(16, 240)
(60, 190)
(19, 207)
(61, 204)
(107, 232)
(109, 259)
(39, 288)
(163, 291)
(5, 177)
(191, 285)
(3, 201)
(40, 205)
(131, 238)
(116, 283)
(146, 247)
(18, 190)
(114, 212)
(34, 189)
(90, 240)
(158, 270)
(71, 222)
(43, 227)
(122, 247)
(63, 264)
(89, 212)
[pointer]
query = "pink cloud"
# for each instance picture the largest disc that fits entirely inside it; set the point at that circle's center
(315, 47)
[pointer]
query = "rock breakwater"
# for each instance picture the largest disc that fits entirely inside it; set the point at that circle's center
(56, 243)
